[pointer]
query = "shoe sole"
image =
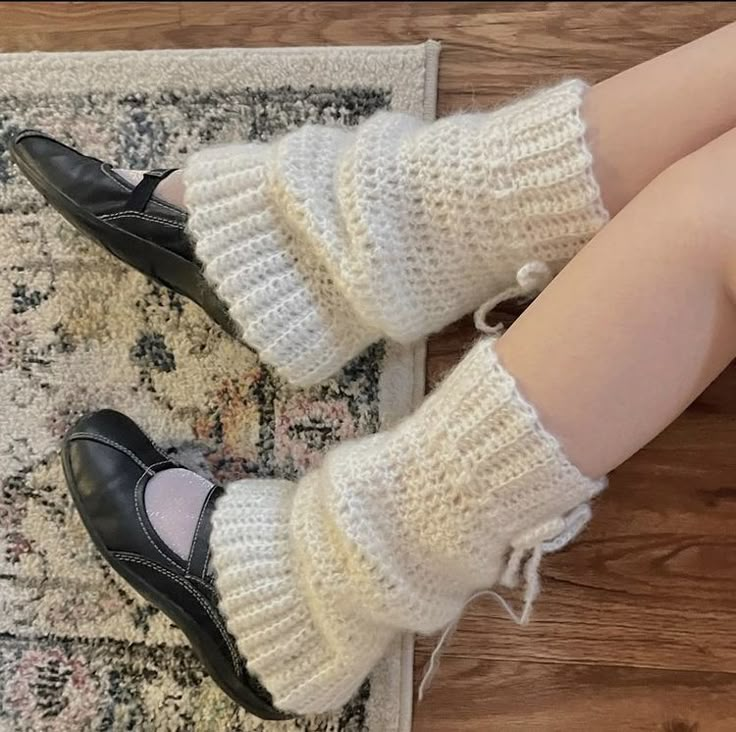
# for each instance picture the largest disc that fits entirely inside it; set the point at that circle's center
(190, 282)
(242, 695)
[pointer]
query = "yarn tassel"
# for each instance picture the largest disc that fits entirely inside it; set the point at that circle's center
(565, 530)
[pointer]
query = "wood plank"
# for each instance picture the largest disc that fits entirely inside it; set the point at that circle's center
(305, 17)
(475, 695)
(85, 16)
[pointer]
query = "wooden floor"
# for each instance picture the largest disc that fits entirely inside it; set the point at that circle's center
(636, 629)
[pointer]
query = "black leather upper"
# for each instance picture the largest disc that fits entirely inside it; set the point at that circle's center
(108, 462)
(111, 461)
(129, 221)
(94, 185)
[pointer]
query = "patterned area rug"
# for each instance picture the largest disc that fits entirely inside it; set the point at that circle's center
(78, 331)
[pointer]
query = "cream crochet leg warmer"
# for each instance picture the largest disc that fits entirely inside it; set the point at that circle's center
(392, 533)
(329, 239)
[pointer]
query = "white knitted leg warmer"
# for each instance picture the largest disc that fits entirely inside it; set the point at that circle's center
(328, 239)
(392, 533)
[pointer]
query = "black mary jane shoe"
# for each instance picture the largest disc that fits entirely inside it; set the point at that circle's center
(129, 221)
(108, 462)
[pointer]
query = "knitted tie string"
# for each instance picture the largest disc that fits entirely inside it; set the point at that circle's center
(531, 278)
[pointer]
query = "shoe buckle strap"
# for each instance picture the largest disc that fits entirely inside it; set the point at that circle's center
(141, 194)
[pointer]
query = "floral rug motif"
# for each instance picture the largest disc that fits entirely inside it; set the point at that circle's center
(79, 331)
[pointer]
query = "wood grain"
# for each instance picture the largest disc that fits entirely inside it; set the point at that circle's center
(507, 696)
(635, 628)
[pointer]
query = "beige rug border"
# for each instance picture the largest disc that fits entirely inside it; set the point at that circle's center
(409, 70)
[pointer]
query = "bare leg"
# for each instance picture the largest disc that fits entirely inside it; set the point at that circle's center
(646, 118)
(641, 321)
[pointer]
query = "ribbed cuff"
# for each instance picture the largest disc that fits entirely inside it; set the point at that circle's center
(305, 649)
(276, 290)
(556, 206)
